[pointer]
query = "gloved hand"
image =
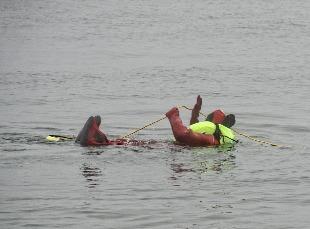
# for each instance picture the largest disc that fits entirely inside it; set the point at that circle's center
(196, 110)
(198, 104)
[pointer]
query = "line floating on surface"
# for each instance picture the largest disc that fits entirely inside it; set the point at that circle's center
(258, 140)
(243, 134)
(147, 125)
(57, 138)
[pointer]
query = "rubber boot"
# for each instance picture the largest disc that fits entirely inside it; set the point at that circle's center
(83, 134)
(90, 135)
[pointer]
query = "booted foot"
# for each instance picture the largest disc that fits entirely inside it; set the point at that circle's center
(98, 120)
(83, 135)
(173, 111)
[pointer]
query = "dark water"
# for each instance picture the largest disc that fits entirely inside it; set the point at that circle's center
(131, 61)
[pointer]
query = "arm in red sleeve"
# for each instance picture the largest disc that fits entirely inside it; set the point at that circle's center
(196, 110)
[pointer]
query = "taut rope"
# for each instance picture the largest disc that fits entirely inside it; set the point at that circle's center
(242, 134)
(60, 137)
(147, 125)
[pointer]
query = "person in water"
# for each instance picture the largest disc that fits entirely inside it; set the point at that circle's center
(91, 135)
(206, 133)
(215, 130)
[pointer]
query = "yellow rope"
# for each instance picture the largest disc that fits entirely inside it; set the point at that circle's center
(152, 123)
(147, 125)
(59, 137)
(192, 109)
(56, 138)
(255, 139)
(242, 134)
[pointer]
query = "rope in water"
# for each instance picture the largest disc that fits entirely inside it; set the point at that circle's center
(242, 134)
(56, 138)
(147, 125)
(60, 137)
(187, 108)
(152, 123)
(256, 140)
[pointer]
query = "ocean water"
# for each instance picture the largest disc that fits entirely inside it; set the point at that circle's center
(130, 61)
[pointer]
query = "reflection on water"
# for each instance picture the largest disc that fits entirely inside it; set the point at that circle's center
(93, 152)
(180, 168)
(202, 160)
(91, 173)
(131, 61)
(223, 160)
(217, 165)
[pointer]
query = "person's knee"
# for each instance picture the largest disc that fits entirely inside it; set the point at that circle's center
(182, 136)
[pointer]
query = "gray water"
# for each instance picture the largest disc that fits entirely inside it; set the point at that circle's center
(131, 61)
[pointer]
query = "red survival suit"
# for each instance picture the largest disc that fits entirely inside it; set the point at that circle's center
(186, 136)
(90, 135)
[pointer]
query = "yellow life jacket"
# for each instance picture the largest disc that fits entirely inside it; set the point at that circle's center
(226, 134)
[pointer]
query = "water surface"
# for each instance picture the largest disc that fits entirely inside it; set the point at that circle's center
(130, 62)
